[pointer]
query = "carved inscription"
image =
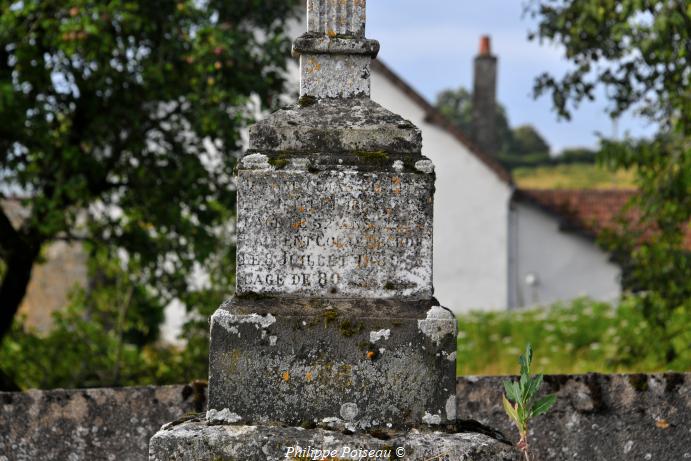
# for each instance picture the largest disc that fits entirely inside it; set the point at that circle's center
(337, 233)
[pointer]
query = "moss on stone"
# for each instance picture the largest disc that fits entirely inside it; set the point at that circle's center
(278, 162)
(234, 360)
(251, 295)
(639, 382)
(306, 101)
(329, 316)
(308, 424)
(376, 156)
(350, 328)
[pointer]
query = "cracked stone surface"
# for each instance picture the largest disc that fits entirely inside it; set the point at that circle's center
(197, 441)
(612, 417)
(354, 364)
(333, 127)
(337, 234)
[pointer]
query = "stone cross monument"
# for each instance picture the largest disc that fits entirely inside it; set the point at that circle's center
(333, 334)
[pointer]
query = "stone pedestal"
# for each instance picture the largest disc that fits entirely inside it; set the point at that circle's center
(353, 364)
(334, 329)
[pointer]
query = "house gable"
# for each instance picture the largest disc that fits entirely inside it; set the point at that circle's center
(471, 203)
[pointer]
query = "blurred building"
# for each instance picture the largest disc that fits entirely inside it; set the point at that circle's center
(495, 247)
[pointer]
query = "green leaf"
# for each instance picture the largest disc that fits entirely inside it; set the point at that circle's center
(510, 392)
(533, 387)
(517, 392)
(543, 405)
(509, 409)
(525, 360)
(523, 382)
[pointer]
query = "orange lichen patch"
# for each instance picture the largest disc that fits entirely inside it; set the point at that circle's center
(662, 423)
(396, 181)
(331, 33)
(377, 187)
(285, 376)
(373, 243)
(313, 66)
(301, 209)
(308, 376)
(298, 225)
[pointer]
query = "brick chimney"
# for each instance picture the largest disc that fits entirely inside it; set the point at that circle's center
(484, 123)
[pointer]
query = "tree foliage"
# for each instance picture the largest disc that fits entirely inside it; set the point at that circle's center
(519, 145)
(119, 124)
(638, 51)
(527, 140)
(457, 106)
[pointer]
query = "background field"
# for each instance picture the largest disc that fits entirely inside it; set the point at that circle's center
(573, 176)
(581, 337)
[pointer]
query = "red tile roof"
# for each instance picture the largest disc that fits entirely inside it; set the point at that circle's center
(587, 210)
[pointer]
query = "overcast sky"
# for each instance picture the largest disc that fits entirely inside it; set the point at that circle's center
(431, 45)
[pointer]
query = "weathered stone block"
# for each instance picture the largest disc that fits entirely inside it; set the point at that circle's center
(335, 76)
(335, 126)
(198, 441)
(337, 17)
(351, 363)
(337, 233)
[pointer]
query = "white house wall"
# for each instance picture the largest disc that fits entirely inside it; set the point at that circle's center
(471, 213)
(550, 265)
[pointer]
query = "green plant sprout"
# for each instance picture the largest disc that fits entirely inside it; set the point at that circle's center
(520, 403)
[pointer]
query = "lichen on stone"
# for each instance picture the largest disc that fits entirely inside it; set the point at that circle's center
(224, 416)
(375, 336)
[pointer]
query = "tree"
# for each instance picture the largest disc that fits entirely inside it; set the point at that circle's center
(520, 146)
(577, 155)
(638, 51)
(120, 123)
(527, 140)
(457, 106)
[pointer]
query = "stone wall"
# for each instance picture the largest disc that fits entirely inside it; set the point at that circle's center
(597, 417)
(90, 424)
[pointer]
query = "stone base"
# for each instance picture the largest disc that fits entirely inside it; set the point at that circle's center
(198, 441)
(355, 363)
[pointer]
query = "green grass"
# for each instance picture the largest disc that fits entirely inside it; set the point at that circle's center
(584, 336)
(573, 176)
